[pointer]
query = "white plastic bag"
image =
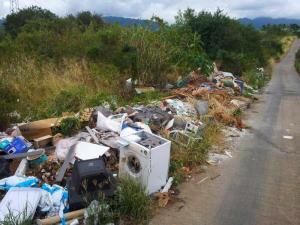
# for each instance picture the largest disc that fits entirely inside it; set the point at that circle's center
(104, 123)
(63, 146)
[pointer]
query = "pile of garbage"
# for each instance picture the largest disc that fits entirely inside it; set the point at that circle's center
(52, 173)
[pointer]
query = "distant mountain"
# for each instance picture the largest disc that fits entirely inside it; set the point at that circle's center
(261, 21)
(123, 21)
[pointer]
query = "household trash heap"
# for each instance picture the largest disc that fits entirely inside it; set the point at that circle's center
(48, 175)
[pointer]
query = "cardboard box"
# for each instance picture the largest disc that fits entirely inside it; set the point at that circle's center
(38, 128)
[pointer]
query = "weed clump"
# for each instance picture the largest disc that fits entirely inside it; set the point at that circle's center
(69, 126)
(134, 203)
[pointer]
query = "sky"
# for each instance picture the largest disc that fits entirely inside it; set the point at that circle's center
(165, 9)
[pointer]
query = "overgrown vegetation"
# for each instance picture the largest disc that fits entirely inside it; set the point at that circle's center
(132, 205)
(50, 64)
(193, 154)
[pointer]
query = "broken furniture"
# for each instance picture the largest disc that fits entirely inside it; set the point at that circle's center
(184, 139)
(89, 177)
(146, 159)
(193, 128)
(191, 134)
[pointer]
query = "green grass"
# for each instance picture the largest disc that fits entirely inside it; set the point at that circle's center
(135, 206)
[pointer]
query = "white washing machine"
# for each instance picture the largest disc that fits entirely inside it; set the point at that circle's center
(146, 159)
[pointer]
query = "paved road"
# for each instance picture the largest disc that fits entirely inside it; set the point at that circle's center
(261, 184)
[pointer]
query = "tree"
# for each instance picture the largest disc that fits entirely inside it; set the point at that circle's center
(15, 21)
(236, 47)
(86, 18)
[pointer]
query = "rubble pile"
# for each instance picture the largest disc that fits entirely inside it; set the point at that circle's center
(56, 172)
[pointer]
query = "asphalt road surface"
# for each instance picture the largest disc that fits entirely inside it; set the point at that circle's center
(260, 185)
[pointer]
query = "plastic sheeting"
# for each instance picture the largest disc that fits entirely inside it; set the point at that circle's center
(18, 181)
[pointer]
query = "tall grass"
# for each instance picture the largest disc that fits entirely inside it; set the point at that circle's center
(135, 206)
(17, 219)
(47, 89)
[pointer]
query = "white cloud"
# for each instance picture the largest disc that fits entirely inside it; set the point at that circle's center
(166, 9)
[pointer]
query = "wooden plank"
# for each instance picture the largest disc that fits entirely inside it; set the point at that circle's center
(56, 219)
(42, 141)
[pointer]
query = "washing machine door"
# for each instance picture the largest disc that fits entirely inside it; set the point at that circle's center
(137, 166)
